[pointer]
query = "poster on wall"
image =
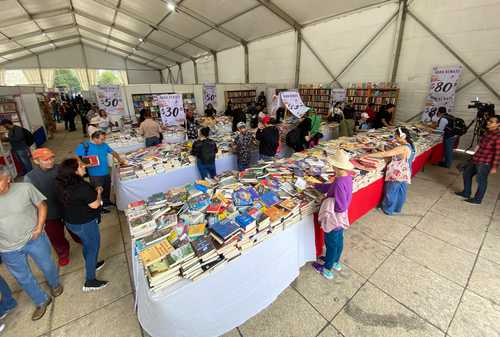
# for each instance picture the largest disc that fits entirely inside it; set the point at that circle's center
(444, 81)
(294, 103)
(109, 98)
(171, 109)
(209, 95)
(338, 95)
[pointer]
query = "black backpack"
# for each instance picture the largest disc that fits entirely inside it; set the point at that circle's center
(457, 127)
(29, 139)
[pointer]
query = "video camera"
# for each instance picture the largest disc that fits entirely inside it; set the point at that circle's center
(484, 110)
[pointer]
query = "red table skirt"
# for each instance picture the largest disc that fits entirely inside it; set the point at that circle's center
(369, 197)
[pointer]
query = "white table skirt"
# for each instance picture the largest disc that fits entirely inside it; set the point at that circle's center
(139, 189)
(229, 296)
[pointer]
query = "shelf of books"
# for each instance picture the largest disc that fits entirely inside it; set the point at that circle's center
(148, 101)
(317, 98)
(240, 98)
(360, 94)
(8, 110)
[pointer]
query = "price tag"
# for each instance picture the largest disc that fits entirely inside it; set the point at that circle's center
(171, 109)
(109, 98)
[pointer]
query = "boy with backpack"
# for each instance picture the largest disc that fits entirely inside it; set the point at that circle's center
(20, 141)
(452, 128)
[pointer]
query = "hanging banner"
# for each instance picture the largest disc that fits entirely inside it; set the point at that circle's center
(109, 98)
(338, 95)
(444, 81)
(294, 103)
(209, 95)
(171, 109)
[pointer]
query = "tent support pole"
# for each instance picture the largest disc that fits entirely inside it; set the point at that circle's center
(399, 42)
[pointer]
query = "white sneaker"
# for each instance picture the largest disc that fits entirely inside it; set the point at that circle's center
(2, 327)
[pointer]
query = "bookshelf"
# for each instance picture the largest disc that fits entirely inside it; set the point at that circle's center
(8, 110)
(240, 98)
(145, 101)
(379, 94)
(317, 98)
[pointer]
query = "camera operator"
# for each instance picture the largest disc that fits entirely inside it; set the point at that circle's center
(445, 125)
(486, 160)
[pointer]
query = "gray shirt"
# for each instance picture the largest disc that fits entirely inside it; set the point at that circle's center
(45, 182)
(18, 215)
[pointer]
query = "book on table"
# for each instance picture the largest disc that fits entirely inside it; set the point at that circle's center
(155, 252)
(224, 230)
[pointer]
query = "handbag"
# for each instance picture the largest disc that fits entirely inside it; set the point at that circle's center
(398, 170)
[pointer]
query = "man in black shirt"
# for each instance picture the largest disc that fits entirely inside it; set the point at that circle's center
(268, 137)
(18, 144)
(204, 149)
(384, 117)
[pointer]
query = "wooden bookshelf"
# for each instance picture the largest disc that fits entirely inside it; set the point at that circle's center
(379, 94)
(240, 98)
(8, 110)
(317, 98)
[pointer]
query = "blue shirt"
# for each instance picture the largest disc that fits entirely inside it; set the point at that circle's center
(99, 150)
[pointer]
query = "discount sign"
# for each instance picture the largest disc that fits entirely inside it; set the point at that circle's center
(171, 109)
(109, 98)
(209, 95)
(292, 100)
(442, 88)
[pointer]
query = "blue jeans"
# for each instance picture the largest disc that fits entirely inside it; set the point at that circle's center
(17, 264)
(481, 171)
(395, 193)
(8, 302)
(206, 170)
(91, 242)
(25, 159)
(152, 141)
(448, 144)
(334, 242)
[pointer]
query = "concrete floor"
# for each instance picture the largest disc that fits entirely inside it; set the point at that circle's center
(433, 271)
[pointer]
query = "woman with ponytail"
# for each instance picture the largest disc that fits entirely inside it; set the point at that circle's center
(398, 172)
(81, 203)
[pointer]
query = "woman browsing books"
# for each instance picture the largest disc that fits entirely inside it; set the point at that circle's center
(81, 203)
(398, 172)
(333, 215)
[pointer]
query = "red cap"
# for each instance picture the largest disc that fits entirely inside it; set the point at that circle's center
(266, 120)
(43, 153)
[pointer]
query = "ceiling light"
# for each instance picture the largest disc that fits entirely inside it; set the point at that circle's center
(141, 40)
(171, 6)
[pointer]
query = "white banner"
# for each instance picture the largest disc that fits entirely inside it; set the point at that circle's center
(171, 109)
(109, 98)
(294, 103)
(209, 95)
(338, 95)
(442, 88)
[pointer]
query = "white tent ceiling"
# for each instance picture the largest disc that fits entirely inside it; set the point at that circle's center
(147, 31)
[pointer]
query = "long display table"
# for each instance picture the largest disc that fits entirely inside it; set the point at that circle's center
(128, 191)
(229, 296)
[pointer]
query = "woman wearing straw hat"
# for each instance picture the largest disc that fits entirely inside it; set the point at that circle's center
(333, 215)
(398, 172)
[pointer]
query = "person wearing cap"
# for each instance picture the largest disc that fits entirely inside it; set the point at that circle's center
(242, 143)
(43, 177)
(268, 137)
(363, 122)
(23, 212)
(93, 125)
(333, 215)
(398, 172)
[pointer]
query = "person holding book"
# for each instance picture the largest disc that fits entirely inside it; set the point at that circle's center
(151, 130)
(96, 150)
(205, 149)
(268, 137)
(243, 142)
(398, 172)
(333, 215)
(43, 177)
(81, 202)
(191, 125)
(23, 212)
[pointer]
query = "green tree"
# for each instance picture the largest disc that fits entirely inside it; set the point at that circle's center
(66, 78)
(107, 77)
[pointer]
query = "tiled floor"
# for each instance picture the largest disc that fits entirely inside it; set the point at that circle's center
(432, 271)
